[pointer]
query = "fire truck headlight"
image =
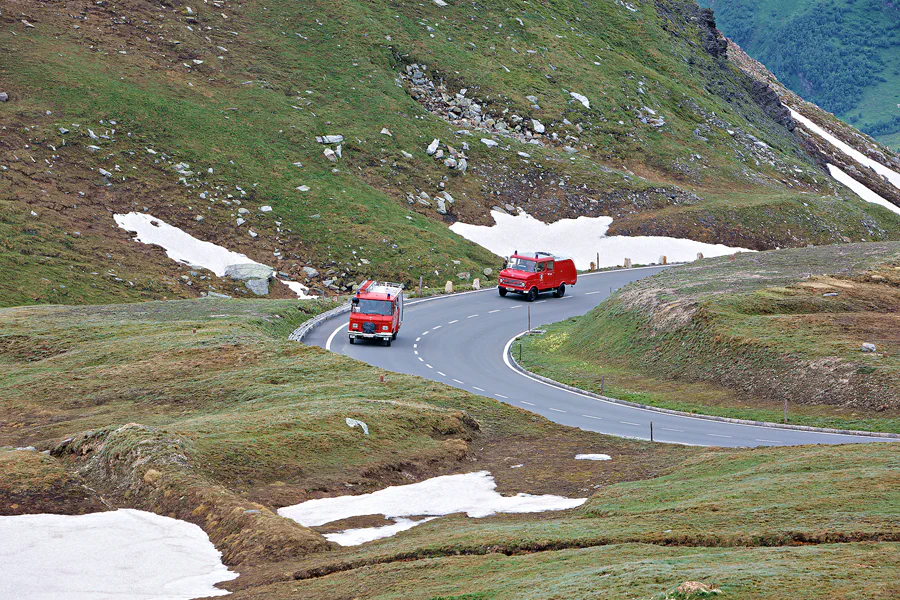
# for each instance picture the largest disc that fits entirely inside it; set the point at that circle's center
(384, 327)
(355, 326)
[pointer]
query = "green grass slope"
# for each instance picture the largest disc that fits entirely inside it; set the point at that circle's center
(202, 410)
(839, 54)
(740, 337)
(191, 110)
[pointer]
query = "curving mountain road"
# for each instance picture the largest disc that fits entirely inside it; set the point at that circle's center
(461, 340)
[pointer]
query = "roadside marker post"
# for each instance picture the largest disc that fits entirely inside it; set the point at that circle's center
(651, 431)
(785, 411)
(529, 319)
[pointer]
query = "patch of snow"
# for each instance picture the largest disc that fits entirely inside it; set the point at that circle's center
(581, 98)
(179, 245)
(856, 155)
(861, 190)
(488, 142)
(582, 239)
(472, 493)
(354, 537)
(593, 457)
(185, 248)
(298, 288)
(107, 556)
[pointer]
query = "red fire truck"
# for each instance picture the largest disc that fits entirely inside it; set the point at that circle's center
(376, 312)
(531, 273)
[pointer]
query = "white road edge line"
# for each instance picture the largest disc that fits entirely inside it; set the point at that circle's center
(334, 333)
(555, 387)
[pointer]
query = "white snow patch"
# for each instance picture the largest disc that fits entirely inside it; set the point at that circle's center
(185, 248)
(582, 239)
(354, 537)
(179, 245)
(298, 288)
(355, 423)
(861, 190)
(593, 457)
(856, 155)
(107, 556)
(472, 493)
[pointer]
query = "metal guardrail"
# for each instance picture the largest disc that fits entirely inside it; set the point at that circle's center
(301, 332)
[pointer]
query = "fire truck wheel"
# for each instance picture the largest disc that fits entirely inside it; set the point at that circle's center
(352, 340)
(394, 336)
(560, 291)
(387, 342)
(502, 291)
(532, 295)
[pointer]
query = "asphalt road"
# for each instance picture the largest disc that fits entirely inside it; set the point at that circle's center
(461, 340)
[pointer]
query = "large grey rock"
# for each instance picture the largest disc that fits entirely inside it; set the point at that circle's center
(260, 287)
(329, 139)
(867, 347)
(432, 147)
(310, 272)
(4, 97)
(441, 205)
(487, 271)
(244, 272)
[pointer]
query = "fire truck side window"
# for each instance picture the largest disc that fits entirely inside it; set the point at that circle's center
(374, 307)
(541, 266)
(549, 264)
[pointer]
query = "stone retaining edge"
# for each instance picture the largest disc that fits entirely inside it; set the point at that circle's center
(681, 413)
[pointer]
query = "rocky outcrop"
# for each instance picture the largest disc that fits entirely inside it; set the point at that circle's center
(714, 43)
(769, 101)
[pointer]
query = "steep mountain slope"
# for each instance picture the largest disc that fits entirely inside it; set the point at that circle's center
(206, 115)
(840, 54)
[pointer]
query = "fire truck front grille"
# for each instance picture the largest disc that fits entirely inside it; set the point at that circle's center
(369, 327)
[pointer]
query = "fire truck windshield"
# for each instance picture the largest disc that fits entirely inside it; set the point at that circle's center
(522, 264)
(373, 307)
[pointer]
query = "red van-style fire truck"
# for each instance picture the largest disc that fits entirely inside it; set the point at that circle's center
(376, 312)
(531, 273)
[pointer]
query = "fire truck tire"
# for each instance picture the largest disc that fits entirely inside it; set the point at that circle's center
(560, 291)
(387, 342)
(532, 295)
(394, 336)
(352, 340)
(502, 291)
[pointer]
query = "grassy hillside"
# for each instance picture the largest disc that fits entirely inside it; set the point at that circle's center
(191, 110)
(203, 411)
(839, 54)
(738, 338)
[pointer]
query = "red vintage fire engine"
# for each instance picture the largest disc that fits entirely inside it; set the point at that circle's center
(376, 312)
(531, 273)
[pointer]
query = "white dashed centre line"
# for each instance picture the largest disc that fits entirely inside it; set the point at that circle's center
(557, 410)
(717, 435)
(429, 366)
(453, 321)
(630, 423)
(592, 417)
(418, 338)
(424, 333)
(416, 352)
(502, 396)
(441, 374)
(493, 311)
(528, 403)
(421, 359)
(437, 327)
(460, 382)
(474, 387)
(667, 429)
(471, 316)
(415, 345)
(516, 306)
(540, 301)
(770, 441)
(591, 293)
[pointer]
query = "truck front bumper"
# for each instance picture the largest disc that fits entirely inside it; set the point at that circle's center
(369, 336)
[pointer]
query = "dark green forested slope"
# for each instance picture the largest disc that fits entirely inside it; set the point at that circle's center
(843, 55)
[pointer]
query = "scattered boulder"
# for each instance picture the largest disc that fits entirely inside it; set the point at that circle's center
(867, 347)
(246, 271)
(386, 131)
(476, 284)
(465, 275)
(488, 271)
(538, 126)
(462, 165)
(4, 97)
(441, 205)
(330, 154)
(433, 147)
(356, 423)
(581, 98)
(218, 295)
(488, 142)
(260, 287)
(448, 287)
(310, 272)
(329, 139)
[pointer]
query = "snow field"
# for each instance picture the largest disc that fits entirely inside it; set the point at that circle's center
(472, 493)
(582, 239)
(107, 556)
